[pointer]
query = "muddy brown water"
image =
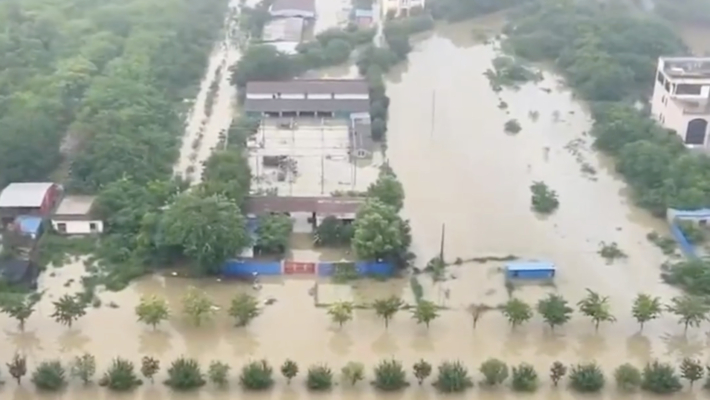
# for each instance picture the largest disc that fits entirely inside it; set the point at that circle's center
(465, 173)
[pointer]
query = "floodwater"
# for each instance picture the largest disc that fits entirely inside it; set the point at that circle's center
(465, 173)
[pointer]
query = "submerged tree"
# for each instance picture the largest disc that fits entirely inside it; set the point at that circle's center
(494, 371)
(517, 312)
(19, 307)
(387, 308)
(646, 308)
(628, 377)
(691, 370)
(557, 372)
(341, 312)
(68, 309)
(387, 189)
(289, 369)
(597, 308)
(218, 373)
(422, 370)
(18, 367)
(84, 367)
(197, 306)
(554, 310)
(424, 312)
(691, 310)
(353, 372)
(244, 308)
(149, 367)
(152, 310)
(660, 378)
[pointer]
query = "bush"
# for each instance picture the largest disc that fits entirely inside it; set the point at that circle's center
(628, 377)
(218, 372)
(120, 376)
(452, 378)
(660, 378)
(185, 374)
(319, 378)
(524, 378)
(586, 378)
(390, 376)
(494, 371)
(257, 375)
(49, 376)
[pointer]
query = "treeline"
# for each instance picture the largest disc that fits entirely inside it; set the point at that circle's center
(608, 56)
(389, 375)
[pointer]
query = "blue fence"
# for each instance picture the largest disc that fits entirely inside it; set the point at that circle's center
(326, 269)
(685, 246)
(375, 268)
(237, 268)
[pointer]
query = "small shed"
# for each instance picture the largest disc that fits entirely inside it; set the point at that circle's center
(27, 198)
(530, 270)
(73, 217)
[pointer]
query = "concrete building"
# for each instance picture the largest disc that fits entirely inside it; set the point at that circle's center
(73, 217)
(344, 98)
(284, 33)
(400, 8)
(681, 98)
(293, 8)
(27, 198)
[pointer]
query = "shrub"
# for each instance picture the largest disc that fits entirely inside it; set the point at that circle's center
(257, 375)
(586, 378)
(319, 378)
(390, 376)
(452, 378)
(49, 376)
(660, 378)
(84, 367)
(149, 367)
(557, 372)
(289, 369)
(218, 372)
(494, 371)
(353, 372)
(185, 374)
(120, 376)
(524, 378)
(422, 370)
(628, 377)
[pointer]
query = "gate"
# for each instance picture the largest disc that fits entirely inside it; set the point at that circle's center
(295, 267)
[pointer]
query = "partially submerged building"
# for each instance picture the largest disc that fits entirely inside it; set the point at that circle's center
(73, 217)
(28, 198)
(401, 8)
(681, 98)
(343, 208)
(341, 98)
(305, 9)
(284, 33)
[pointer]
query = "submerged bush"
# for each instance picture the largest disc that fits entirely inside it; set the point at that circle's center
(452, 378)
(390, 376)
(586, 378)
(49, 376)
(494, 371)
(628, 377)
(258, 375)
(185, 374)
(660, 378)
(524, 378)
(120, 376)
(319, 378)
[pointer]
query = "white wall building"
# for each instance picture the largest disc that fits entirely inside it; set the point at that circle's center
(293, 8)
(681, 98)
(73, 217)
(400, 8)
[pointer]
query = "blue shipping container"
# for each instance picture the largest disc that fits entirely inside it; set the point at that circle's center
(326, 269)
(238, 268)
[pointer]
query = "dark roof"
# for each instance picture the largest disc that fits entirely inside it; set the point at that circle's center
(13, 270)
(319, 205)
(361, 136)
(312, 86)
(24, 194)
(300, 5)
(306, 105)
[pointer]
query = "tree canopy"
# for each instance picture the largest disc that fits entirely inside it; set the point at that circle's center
(380, 233)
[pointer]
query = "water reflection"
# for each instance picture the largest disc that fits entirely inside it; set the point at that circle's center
(25, 342)
(73, 340)
(154, 342)
(340, 342)
(385, 344)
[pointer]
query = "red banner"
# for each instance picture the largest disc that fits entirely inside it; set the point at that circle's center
(295, 267)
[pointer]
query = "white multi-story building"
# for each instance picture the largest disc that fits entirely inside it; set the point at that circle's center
(681, 98)
(400, 8)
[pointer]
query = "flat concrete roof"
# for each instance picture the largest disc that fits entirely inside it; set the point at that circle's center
(283, 29)
(307, 105)
(24, 194)
(311, 86)
(686, 67)
(319, 205)
(75, 205)
(308, 6)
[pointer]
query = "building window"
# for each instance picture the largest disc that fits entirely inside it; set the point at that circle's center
(668, 86)
(688, 89)
(92, 227)
(663, 99)
(695, 133)
(62, 227)
(659, 77)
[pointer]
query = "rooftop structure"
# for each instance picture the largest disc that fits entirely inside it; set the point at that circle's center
(318, 205)
(530, 270)
(293, 8)
(283, 30)
(25, 194)
(400, 8)
(681, 95)
(75, 206)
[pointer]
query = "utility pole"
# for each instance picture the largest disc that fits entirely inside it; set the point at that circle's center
(443, 238)
(433, 112)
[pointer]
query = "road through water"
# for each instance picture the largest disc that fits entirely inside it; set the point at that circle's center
(465, 172)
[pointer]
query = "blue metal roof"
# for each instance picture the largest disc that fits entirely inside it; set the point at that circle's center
(29, 225)
(530, 266)
(703, 212)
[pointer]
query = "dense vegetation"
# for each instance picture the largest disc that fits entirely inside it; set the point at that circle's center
(459, 10)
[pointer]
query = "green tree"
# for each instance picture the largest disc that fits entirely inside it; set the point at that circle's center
(273, 233)
(19, 307)
(494, 371)
(453, 377)
(691, 310)
(152, 310)
(628, 377)
(197, 306)
(18, 367)
(319, 378)
(596, 307)
(341, 312)
(333, 232)
(424, 312)
(262, 63)
(544, 200)
(244, 308)
(353, 372)
(49, 376)
(557, 372)
(524, 378)
(555, 310)
(218, 373)
(691, 370)
(185, 374)
(586, 378)
(149, 367)
(289, 369)
(259, 375)
(517, 312)
(660, 378)
(387, 189)
(387, 308)
(68, 309)
(646, 308)
(208, 229)
(226, 172)
(120, 376)
(422, 370)
(390, 376)
(84, 367)
(379, 233)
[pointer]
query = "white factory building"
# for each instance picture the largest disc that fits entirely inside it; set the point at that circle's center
(400, 8)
